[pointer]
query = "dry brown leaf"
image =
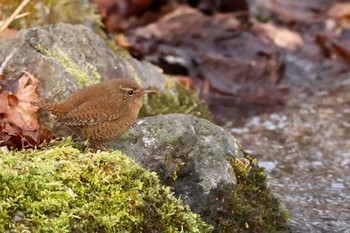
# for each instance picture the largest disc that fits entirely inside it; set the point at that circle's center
(8, 33)
(340, 12)
(292, 10)
(14, 138)
(342, 50)
(115, 13)
(38, 137)
(4, 108)
(282, 37)
(17, 108)
(12, 100)
(122, 41)
(184, 80)
(19, 127)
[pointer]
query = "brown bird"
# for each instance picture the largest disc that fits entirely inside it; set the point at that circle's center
(100, 112)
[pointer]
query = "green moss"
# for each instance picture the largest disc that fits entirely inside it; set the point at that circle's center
(44, 12)
(111, 42)
(60, 189)
(173, 176)
(254, 208)
(178, 99)
(82, 76)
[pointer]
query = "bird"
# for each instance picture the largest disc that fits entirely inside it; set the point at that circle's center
(100, 112)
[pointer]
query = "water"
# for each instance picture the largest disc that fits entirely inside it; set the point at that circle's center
(305, 148)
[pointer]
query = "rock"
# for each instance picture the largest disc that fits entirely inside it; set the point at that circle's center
(187, 152)
(201, 161)
(65, 57)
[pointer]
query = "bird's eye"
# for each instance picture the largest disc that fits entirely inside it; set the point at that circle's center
(130, 92)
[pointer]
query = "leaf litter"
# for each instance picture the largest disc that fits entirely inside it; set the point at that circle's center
(19, 127)
(243, 56)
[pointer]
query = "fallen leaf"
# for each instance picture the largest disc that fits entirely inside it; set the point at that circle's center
(183, 80)
(294, 10)
(38, 137)
(244, 82)
(13, 137)
(282, 37)
(342, 50)
(8, 33)
(19, 127)
(122, 41)
(114, 13)
(12, 100)
(21, 112)
(215, 48)
(335, 46)
(341, 13)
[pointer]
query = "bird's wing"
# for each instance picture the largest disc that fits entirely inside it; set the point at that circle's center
(91, 113)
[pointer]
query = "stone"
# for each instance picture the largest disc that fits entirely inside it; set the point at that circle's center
(196, 158)
(67, 57)
(192, 149)
(70, 56)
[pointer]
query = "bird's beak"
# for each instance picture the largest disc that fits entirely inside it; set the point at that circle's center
(148, 92)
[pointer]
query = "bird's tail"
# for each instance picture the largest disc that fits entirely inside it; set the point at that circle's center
(52, 107)
(39, 104)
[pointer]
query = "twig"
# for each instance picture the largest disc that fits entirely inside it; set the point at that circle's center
(17, 17)
(13, 16)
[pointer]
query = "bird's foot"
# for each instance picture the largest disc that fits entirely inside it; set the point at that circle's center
(133, 125)
(98, 146)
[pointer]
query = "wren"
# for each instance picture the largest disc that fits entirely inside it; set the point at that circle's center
(100, 112)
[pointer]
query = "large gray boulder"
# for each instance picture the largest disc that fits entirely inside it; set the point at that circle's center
(206, 167)
(65, 57)
(189, 153)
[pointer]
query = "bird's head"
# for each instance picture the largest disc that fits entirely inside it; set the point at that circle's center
(131, 91)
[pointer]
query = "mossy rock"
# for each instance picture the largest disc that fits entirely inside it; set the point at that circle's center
(253, 207)
(61, 189)
(208, 169)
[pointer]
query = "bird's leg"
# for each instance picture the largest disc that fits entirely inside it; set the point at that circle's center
(98, 146)
(133, 125)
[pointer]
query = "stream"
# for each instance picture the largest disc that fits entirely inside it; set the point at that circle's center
(305, 149)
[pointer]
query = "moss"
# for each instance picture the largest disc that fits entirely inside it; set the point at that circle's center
(254, 208)
(44, 12)
(61, 189)
(177, 99)
(174, 174)
(82, 76)
(119, 51)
